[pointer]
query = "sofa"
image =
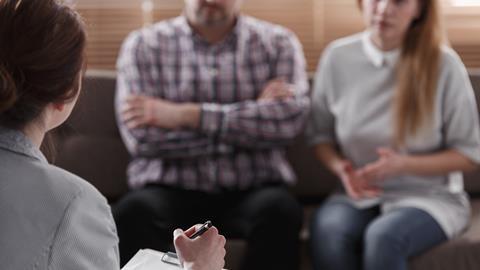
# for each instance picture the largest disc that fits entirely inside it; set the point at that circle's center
(89, 145)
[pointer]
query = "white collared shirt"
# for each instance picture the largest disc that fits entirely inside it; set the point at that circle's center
(378, 57)
(351, 106)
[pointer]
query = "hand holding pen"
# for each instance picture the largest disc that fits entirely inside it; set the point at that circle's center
(200, 247)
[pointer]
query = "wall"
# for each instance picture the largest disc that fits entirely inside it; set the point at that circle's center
(316, 22)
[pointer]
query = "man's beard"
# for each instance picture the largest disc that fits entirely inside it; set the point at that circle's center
(207, 18)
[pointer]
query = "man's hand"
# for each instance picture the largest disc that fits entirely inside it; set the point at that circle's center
(389, 164)
(141, 111)
(356, 186)
(277, 89)
(206, 252)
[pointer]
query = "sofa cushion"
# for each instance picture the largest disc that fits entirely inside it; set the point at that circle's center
(462, 253)
(472, 180)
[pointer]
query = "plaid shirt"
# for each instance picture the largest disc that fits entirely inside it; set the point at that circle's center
(240, 141)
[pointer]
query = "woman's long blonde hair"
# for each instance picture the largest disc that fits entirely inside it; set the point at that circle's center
(417, 73)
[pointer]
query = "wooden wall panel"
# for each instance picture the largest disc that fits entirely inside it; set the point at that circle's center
(463, 29)
(107, 28)
(342, 18)
(316, 23)
(297, 15)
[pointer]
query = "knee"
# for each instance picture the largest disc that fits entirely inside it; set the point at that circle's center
(333, 232)
(282, 209)
(381, 241)
(132, 206)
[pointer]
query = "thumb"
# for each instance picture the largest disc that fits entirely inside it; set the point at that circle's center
(179, 237)
(177, 233)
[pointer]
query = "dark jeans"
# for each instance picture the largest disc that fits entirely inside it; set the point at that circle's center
(268, 218)
(344, 237)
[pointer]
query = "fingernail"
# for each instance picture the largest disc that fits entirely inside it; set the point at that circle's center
(177, 232)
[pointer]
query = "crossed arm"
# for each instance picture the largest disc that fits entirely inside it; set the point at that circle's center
(152, 126)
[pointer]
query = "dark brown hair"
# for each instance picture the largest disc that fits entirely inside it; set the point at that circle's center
(42, 47)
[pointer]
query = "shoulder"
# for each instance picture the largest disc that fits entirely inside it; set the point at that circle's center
(264, 28)
(80, 197)
(52, 184)
(453, 75)
(345, 47)
(41, 194)
(51, 187)
(154, 35)
(452, 70)
(56, 187)
(450, 60)
(83, 207)
(268, 33)
(69, 182)
(341, 53)
(85, 228)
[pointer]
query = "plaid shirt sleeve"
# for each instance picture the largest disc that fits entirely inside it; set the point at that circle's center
(135, 78)
(264, 124)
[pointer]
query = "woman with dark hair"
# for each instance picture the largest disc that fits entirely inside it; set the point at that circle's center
(49, 218)
(394, 117)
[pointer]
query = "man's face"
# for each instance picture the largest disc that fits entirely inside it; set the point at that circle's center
(212, 12)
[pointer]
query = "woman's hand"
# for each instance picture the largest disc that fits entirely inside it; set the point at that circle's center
(206, 252)
(389, 164)
(356, 186)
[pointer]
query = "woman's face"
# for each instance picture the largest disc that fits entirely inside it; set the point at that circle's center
(389, 20)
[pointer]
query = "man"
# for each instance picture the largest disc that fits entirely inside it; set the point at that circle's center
(206, 104)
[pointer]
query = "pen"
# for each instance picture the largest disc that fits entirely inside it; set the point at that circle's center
(207, 225)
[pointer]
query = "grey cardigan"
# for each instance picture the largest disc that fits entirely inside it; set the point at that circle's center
(50, 218)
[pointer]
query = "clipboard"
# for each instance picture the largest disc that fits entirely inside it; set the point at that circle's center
(149, 259)
(171, 258)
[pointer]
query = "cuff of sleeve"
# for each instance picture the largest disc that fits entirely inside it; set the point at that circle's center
(312, 141)
(211, 118)
(314, 136)
(473, 153)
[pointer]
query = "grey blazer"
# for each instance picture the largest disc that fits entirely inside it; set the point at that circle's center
(50, 218)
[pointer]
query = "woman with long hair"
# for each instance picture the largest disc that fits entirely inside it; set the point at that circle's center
(49, 218)
(394, 118)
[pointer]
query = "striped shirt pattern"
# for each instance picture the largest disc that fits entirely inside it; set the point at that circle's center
(240, 141)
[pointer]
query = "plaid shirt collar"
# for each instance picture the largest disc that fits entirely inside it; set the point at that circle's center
(229, 41)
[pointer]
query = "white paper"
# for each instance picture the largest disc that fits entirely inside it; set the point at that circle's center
(149, 259)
